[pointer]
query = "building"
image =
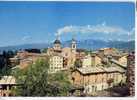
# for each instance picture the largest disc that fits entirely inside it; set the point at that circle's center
(91, 60)
(87, 61)
(118, 56)
(25, 58)
(66, 55)
(69, 53)
(123, 59)
(24, 63)
(56, 63)
(97, 78)
(73, 46)
(14, 61)
(108, 51)
(55, 60)
(80, 53)
(6, 83)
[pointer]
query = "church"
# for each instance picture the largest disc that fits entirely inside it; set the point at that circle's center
(68, 53)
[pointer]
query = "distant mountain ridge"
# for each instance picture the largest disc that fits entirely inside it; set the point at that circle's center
(25, 46)
(97, 44)
(85, 44)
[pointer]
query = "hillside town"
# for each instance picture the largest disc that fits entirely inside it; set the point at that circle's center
(92, 73)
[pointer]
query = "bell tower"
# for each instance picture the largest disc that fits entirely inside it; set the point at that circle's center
(73, 45)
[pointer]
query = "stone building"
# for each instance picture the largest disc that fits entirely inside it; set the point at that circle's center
(131, 74)
(26, 58)
(87, 61)
(80, 53)
(108, 51)
(24, 63)
(97, 78)
(91, 60)
(66, 55)
(69, 53)
(56, 63)
(123, 59)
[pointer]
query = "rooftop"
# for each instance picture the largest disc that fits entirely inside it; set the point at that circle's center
(7, 80)
(100, 69)
(57, 41)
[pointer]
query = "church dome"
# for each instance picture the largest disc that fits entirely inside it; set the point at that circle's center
(73, 39)
(57, 41)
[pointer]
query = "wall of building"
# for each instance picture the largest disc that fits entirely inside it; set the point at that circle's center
(86, 61)
(123, 60)
(5, 90)
(56, 64)
(57, 47)
(25, 63)
(98, 81)
(97, 60)
(91, 61)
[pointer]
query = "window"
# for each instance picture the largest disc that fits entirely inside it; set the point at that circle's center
(92, 88)
(95, 79)
(102, 79)
(102, 87)
(66, 54)
(95, 88)
(88, 89)
(4, 94)
(73, 46)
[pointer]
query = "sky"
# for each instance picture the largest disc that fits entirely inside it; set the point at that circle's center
(42, 22)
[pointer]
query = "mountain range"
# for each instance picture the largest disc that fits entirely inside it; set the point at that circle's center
(89, 44)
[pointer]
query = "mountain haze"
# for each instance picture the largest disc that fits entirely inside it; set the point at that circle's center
(85, 44)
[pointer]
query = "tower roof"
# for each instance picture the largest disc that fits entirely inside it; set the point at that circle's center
(57, 41)
(73, 39)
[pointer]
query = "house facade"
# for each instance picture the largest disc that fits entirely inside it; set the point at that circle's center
(97, 78)
(91, 60)
(56, 63)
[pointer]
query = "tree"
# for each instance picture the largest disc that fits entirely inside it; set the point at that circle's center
(60, 82)
(33, 79)
(44, 50)
(88, 52)
(36, 81)
(78, 63)
(33, 50)
(5, 64)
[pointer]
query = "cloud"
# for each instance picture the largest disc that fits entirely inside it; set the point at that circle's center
(101, 29)
(26, 37)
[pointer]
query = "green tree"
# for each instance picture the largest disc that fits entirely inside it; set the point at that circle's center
(60, 82)
(5, 64)
(44, 50)
(33, 79)
(88, 52)
(36, 81)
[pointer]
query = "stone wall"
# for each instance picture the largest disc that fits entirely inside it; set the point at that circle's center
(131, 74)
